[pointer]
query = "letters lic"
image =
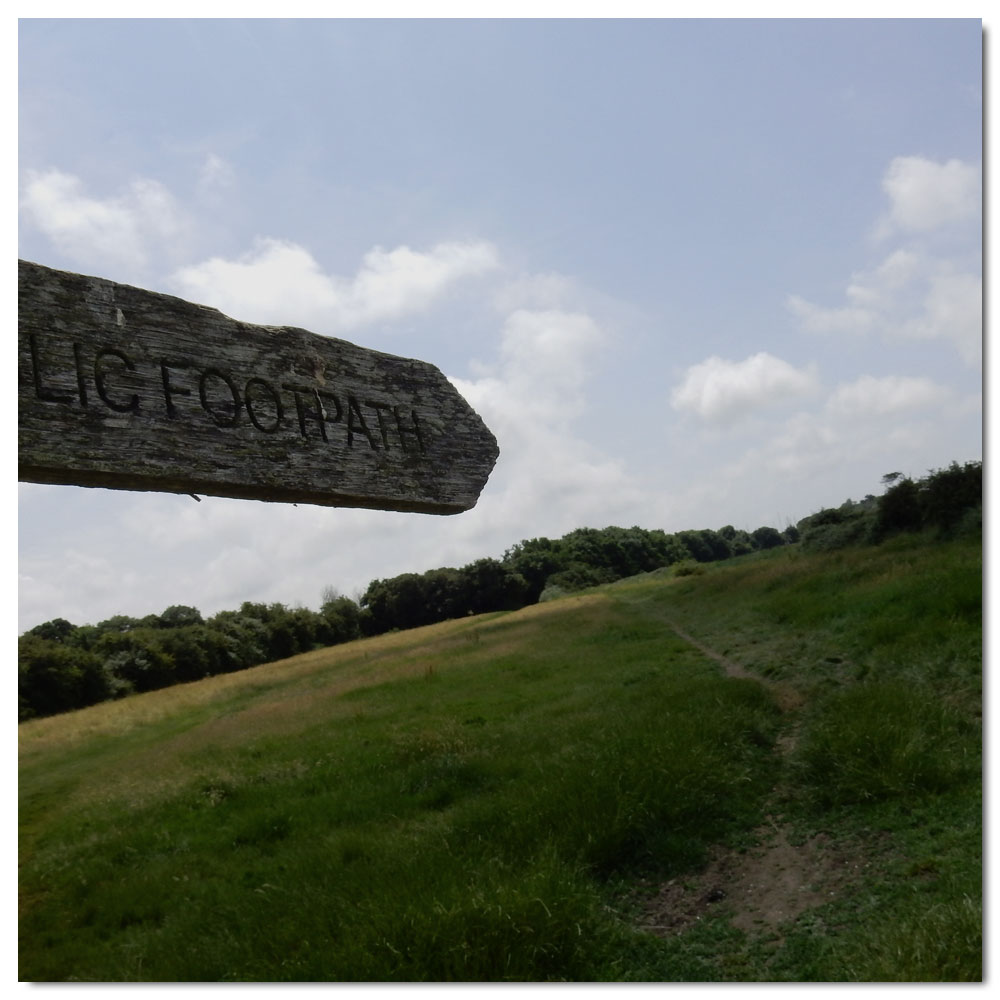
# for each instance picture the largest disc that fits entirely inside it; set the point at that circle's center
(174, 389)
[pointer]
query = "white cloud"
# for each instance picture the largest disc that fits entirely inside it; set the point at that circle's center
(925, 195)
(842, 319)
(868, 396)
(546, 358)
(118, 233)
(894, 273)
(721, 391)
(919, 291)
(537, 291)
(215, 173)
(279, 282)
(547, 475)
(72, 583)
(818, 457)
(909, 296)
(952, 309)
(869, 295)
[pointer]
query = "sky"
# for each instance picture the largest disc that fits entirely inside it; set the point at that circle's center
(689, 273)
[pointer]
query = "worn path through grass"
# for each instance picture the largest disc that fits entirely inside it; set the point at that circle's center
(877, 805)
(777, 879)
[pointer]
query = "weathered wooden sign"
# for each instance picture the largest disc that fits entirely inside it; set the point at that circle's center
(129, 389)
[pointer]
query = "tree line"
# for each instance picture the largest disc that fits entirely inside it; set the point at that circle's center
(62, 666)
(946, 502)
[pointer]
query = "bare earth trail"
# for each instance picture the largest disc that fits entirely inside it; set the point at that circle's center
(732, 668)
(762, 887)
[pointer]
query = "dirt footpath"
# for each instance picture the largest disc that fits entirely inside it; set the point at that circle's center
(760, 887)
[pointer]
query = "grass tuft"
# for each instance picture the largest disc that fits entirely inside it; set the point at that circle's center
(883, 740)
(942, 943)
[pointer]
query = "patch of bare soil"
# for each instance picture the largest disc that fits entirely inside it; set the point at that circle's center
(759, 888)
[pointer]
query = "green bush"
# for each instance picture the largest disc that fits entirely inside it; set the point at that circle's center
(948, 495)
(136, 660)
(970, 524)
(552, 592)
(898, 509)
(829, 537)
(688, 567)
(838, 527)
(53, 677)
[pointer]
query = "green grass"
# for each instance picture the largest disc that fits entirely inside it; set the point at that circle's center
(476, 800)
(884, 740)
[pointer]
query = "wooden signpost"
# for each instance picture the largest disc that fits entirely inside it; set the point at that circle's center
(129, 389)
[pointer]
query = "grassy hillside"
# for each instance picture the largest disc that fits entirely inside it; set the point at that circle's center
(769, 770)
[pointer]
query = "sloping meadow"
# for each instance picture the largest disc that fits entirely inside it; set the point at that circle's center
(477, 800)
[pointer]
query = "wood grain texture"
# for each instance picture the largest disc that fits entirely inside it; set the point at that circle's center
(129, 389)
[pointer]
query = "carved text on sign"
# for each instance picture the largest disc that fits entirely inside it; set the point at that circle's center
(124, 388)
(181, 389)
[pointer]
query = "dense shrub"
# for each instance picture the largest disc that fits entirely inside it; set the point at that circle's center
(57, 630)
(941, 501)
(488, 585)
(950, 495)
(688, 567)
(197, 651)
(340, 621)
(535, 560)
(898, 509)
(740, 543)
(244, 639)
(579, 576)
(136, 659)
(838, 527)
(767, 538)
(178, 615)
(53, 677)
(947, 501)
